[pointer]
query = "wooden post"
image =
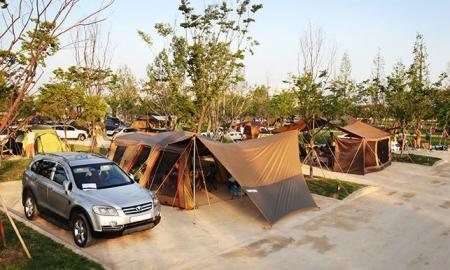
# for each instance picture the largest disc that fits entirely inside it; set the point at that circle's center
(2, 233)
(24, 247)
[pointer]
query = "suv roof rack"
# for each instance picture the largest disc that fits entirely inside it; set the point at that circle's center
(56, 155)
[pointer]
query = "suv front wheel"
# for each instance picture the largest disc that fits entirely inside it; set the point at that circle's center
(81, 137)
(81, 232)
(29, 207)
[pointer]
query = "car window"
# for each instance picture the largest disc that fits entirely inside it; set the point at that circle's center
(46, 168)
(60, 175)
(58, 128)
(99, 176)
(71, 128)
(35, 166)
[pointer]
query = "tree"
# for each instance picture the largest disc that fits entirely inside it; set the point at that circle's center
(165, 87)
(283, 104)
(371, 91)
(342, 98)
(259, 102)
(214, 45)
(123, 98)
(59, 101)
(93, 74)
(309, 84)
(419, 82)
(32, 34)
(398, 96)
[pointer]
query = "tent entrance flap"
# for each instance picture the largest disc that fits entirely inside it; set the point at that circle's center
(269, 169)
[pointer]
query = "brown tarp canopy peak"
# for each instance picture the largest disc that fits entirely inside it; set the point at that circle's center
(362, 130)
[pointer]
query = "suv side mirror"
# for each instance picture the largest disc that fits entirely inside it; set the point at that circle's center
(67, 186)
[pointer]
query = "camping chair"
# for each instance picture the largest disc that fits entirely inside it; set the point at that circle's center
(236, 190)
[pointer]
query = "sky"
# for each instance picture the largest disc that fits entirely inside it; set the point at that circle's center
(358, 28)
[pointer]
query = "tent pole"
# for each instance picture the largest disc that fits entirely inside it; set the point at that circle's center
(193, 175)
(13, 224)
(203, 178)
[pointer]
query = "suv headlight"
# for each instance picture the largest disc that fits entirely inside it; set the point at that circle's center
(155, 200)
(105, 211)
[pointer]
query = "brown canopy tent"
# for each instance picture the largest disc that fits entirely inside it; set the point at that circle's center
(365, 149)
(267, 169)
(301, 125)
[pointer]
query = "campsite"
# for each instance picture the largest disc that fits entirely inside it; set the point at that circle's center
(247, 134)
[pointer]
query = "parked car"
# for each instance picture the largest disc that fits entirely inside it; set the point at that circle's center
(3, 136)
(112, 123)
(395, 146)
(234, 135)
(91, 194)
(231, 134)
(71, 132)
(120, 130)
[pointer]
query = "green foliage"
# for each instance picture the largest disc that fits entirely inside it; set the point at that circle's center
(442, 107)
(123, 98)
(283, 104)
(343, 97)
(259, 102)
(398, 95)
(60, 101)
(86, 86)
(192, 75)
(310, 96)
(94, 108)
(12, 170)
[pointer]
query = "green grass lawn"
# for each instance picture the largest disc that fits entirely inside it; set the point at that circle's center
(328, 187)
(12, 170)
(45, 253)
(416, 159)
(85, 148)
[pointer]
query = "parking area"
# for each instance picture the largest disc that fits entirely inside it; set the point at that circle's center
(405, 222)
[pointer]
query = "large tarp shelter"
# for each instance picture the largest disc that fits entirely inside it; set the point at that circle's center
(268, 169)
(365, 149)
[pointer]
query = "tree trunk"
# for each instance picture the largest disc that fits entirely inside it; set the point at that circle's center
(94, 136)
(201, 119)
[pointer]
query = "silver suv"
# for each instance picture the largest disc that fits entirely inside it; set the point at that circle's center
(89, 193)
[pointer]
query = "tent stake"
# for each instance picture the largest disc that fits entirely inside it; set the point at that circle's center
(193, 175)
(24, 247)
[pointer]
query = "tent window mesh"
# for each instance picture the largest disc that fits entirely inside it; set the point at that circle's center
(383, 150)
(120, 150)
(163, 166)
(142, 157)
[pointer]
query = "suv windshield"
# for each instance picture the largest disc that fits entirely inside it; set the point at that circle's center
(98, 176)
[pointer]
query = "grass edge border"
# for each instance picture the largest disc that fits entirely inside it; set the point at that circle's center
(54, 238)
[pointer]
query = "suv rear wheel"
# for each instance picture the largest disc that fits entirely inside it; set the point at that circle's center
(81, 137)
(81, 231)
(30, 208)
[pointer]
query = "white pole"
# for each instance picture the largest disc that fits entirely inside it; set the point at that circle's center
(193, 175)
